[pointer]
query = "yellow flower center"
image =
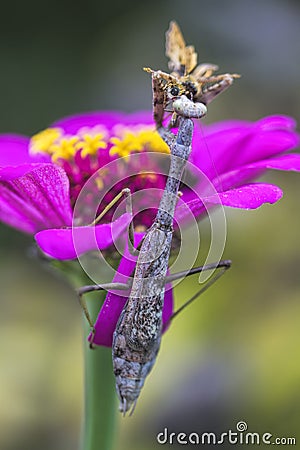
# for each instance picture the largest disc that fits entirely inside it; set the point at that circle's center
(88, 141)
(54, 142)
(135, 140)
(42, 141)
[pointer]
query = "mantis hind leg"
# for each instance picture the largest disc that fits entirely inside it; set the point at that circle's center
(223, 265)
(93, 288)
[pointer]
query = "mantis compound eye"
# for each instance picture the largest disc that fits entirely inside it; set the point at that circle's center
(174, 91)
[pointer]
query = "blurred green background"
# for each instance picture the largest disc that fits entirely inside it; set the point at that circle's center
(233, 355)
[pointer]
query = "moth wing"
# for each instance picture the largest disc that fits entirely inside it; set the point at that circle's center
(204, 70)
(221, 83)
(190, 59)
(175, 47)
(182, 58)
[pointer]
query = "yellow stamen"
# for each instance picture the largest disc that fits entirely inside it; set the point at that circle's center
(88, 141)
(53, 142)
(89, 144)
(153, 142)
(42, 141)
(65, 149)
(91, 140)
(136, 140)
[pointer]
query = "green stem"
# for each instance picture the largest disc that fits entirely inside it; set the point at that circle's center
(100, 400)
(100, 405)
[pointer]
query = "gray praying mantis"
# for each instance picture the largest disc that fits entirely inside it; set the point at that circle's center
(136, 340)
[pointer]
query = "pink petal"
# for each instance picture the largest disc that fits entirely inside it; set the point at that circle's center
(113, 305)
(223, 125)
(265, 144)
(213, 153)
(277, 121)
(35, 199)
(109, 119)
(14, 151)
(69, 243)
(290, 161)
(249, 196)
(250, 171)
(12, 172)
(226, 146)
(268, 123)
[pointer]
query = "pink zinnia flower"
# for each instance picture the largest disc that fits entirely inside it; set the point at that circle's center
(41, 178)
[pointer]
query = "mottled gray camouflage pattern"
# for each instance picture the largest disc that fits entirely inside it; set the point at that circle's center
(137, 336)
